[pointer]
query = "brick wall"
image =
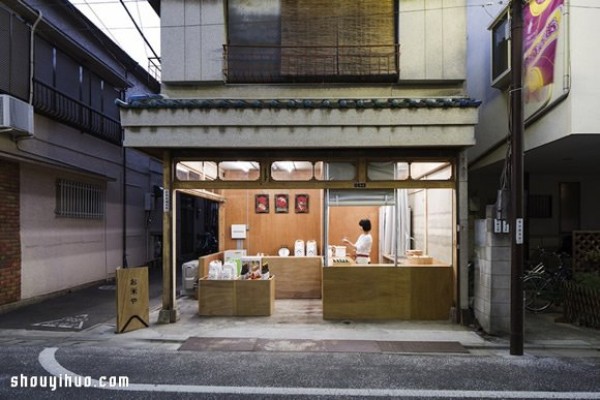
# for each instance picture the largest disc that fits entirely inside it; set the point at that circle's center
(10, 238)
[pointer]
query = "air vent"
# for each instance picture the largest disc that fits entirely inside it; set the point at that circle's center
(16, 116)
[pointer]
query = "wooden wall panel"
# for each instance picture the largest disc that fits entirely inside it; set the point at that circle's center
(387, 293)
(270, 231)
(344, 223)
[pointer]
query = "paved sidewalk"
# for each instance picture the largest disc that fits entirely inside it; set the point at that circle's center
(89, 315)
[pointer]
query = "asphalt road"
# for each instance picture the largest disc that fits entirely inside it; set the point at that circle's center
(162, 372)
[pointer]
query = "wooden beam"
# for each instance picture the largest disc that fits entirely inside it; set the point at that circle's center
(168, 314)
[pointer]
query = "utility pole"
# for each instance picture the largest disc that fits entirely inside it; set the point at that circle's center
(516, 178)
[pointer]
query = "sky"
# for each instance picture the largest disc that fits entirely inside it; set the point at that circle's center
(110, 17)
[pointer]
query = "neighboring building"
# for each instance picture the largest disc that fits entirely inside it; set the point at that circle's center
(341, 88)
(75, 204)
(561, 138)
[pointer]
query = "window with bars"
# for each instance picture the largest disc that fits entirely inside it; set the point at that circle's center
(79, 200)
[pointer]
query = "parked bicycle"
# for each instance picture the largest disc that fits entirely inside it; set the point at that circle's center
(542, 286)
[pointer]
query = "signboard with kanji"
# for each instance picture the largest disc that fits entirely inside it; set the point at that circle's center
(132, 299)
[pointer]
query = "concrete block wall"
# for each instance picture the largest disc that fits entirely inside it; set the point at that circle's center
(492, 276)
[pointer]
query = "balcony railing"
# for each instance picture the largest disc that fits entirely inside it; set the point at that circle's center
(271, 64)
(72, 112)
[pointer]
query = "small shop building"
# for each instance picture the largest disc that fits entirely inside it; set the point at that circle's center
(293, 153)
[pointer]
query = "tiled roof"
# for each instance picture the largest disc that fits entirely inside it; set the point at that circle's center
(158, 101)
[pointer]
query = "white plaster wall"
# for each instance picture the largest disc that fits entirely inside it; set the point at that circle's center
(493, 114)
(577, 114)
(432, 37)
(585, 63)
(192, 38)
(59, 253)
(432, 218)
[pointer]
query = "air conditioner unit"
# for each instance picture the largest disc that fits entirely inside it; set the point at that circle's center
(16, 116)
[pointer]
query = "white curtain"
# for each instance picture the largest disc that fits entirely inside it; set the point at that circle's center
(388, 223)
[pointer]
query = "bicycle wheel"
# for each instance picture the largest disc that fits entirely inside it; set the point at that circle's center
(536, 295)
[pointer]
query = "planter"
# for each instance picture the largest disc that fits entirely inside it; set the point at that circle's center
(582, 305)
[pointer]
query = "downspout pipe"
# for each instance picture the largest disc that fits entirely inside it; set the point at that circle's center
(124, 185)
(32, 54)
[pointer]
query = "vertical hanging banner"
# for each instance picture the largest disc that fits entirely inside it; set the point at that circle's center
(542, 45)
(133, 310)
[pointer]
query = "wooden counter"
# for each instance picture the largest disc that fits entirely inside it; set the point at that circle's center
(380, 292)
(236, 297)
(297, 277)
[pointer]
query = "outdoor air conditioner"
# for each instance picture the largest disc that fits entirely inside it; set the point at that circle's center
(16, 116)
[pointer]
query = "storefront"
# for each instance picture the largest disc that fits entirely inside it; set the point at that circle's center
(312, 197)
(284, 181)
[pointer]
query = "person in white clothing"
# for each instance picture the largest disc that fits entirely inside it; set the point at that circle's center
(363, 243)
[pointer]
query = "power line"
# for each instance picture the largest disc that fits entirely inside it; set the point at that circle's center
(139, 30)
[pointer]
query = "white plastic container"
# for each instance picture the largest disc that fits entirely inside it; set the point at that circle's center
(214, 269)
(311, 248)
(299, 248)
(229, 271)
(340, 251)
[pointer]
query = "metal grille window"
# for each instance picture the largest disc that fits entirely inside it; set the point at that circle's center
(79, 200)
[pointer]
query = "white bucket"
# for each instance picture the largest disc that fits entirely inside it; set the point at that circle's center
(311, 248)
(299, 248)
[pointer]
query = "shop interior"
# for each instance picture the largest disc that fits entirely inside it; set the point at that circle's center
(292, 216)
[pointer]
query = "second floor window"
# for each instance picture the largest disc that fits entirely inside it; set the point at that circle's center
(312, 41)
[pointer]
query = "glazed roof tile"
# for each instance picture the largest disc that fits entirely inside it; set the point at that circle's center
(159, 102)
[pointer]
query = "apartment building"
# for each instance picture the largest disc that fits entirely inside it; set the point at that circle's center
(561, 140)
(75, 204)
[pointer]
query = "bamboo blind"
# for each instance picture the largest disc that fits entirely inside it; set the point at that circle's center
(337, 37)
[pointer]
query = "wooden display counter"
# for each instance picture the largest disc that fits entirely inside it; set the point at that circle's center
(381, 292)
(297, 277)
(236, 297)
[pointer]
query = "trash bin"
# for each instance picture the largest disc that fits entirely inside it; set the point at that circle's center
(189, 278)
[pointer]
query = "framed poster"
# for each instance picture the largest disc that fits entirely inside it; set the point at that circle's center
(301, 204)
(261, 203)
(281, 203)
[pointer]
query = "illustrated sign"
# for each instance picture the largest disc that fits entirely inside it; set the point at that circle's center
(541, 46)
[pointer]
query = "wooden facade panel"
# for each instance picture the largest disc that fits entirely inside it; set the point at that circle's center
(431, 292)
(216, 297)
(382, 293)
(297, 277)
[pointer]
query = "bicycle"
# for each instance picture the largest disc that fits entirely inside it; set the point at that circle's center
(542, 288)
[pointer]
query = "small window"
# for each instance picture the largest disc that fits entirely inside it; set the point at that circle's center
(427, 171)
(239, 170)
(292, 170)
(336, 171)
(196, 171)
(79, 200)
(500, 29)
(387, 171)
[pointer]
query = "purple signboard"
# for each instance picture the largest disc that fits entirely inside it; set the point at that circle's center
(542, 19)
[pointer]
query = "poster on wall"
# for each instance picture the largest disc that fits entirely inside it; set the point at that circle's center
(543, 47)
(261, 204)
(301, 204)
(281, 203)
